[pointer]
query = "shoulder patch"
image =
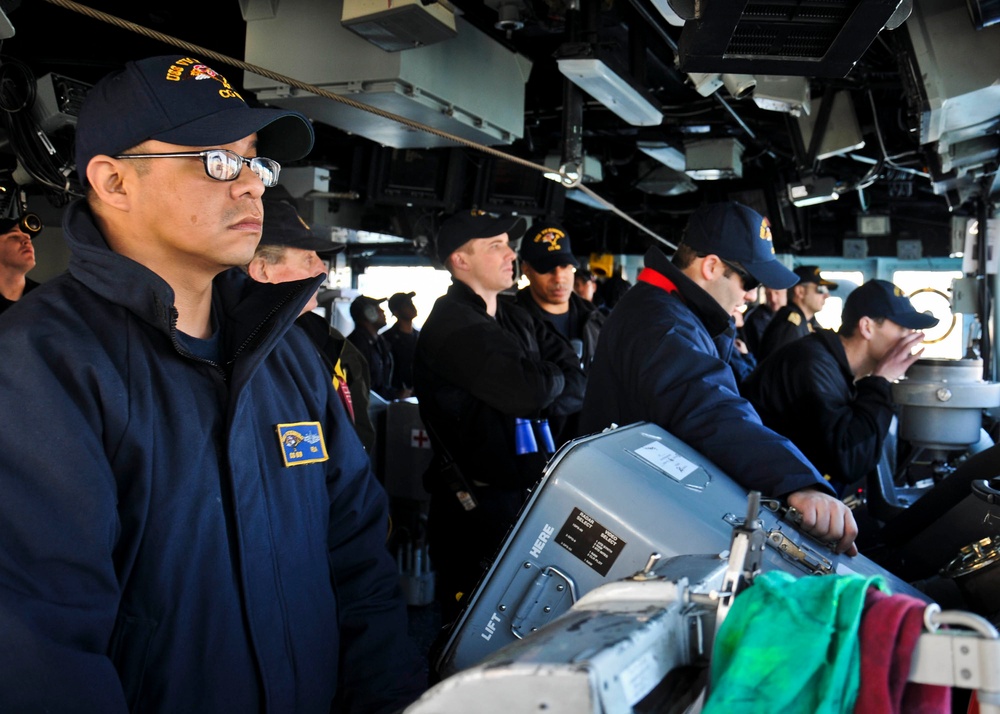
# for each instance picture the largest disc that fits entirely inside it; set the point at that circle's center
(795, 318)
(301, 443)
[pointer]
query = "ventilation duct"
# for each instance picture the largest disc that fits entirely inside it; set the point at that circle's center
(809, 38)
(440, 85)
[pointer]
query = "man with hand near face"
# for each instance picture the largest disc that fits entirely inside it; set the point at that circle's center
(830, 392)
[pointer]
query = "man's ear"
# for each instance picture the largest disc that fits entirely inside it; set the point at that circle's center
(866, 327)
(108, 181)
(258, 270)
(709, 265)
(458, 261)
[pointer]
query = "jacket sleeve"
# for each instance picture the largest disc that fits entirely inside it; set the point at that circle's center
(555, 349)
(692, 394)
(380, 670)
(852, 429)
(59, 590)
(495, 368)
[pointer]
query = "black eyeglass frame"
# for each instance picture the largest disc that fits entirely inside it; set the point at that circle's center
(267, 165)
(749, 281)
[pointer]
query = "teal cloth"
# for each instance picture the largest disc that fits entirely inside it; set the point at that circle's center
(791, 645)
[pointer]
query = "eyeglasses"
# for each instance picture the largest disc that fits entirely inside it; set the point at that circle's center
(223, 164)
(822, 290)
(749, 281)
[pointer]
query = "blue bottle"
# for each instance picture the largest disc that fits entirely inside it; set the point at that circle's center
(524, 437)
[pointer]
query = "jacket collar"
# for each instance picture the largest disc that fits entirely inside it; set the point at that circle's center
(251, 310)
(703, 305)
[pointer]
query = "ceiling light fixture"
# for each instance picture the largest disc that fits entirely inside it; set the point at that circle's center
(812, 190)
(664, 153)
(611, 89)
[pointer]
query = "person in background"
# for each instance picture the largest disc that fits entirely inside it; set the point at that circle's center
(369, 318)
(798, 318)
(484, 371)
(402, 339)
(830, 392)
(17, 258)
(759, 316)
(741, 359)
(585, 285)
(195, 526)
(664, 358)
(290, 250)
(548, 263)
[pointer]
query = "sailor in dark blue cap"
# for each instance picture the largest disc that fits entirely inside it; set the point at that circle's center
(830, 392)
(195, 527)
(664, 357)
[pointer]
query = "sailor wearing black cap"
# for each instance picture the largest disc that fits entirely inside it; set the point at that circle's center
(798, 318)
(17, 257)
(482, 367)
(664, 357)
(830, 391)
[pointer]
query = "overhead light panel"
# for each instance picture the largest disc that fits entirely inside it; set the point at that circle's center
(611, 89)
(664, 153)
(714, 159)
(812, 190)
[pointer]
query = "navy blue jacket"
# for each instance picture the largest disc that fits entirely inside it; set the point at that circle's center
(664, 358)
(475, 373)
(157, 554)
(807, 392)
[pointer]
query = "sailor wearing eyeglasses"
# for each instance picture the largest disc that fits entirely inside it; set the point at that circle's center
(664, 356)
(797, 318)
(197, 527)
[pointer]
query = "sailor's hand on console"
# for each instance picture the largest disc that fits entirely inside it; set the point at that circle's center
(826, 518)
(900, 356)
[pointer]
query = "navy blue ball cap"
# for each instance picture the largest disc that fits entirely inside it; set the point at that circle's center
(284, 226)
(882, 299)
(812, 274)
(180, 100)
(739, 234)
(547, 248)
(467, 225)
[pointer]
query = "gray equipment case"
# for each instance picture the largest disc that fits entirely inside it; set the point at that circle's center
(604, 505)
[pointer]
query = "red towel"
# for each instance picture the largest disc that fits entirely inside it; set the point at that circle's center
(890, 628)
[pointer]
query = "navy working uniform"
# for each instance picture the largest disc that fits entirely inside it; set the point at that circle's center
(664, 357)
(789, 324)
(174, 538)
(474, 374)
(807, 392)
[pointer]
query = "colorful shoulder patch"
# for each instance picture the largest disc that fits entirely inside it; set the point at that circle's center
(795, 318)
(301, 443)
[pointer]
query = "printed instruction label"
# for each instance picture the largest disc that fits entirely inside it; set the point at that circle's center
(666, 460)
(589, 541)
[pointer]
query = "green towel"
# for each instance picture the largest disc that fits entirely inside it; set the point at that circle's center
(791, 645)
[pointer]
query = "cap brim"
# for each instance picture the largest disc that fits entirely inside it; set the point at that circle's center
(549, 263)
(914, 320)
(829, 283)
(281, 135)
(772, 274)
